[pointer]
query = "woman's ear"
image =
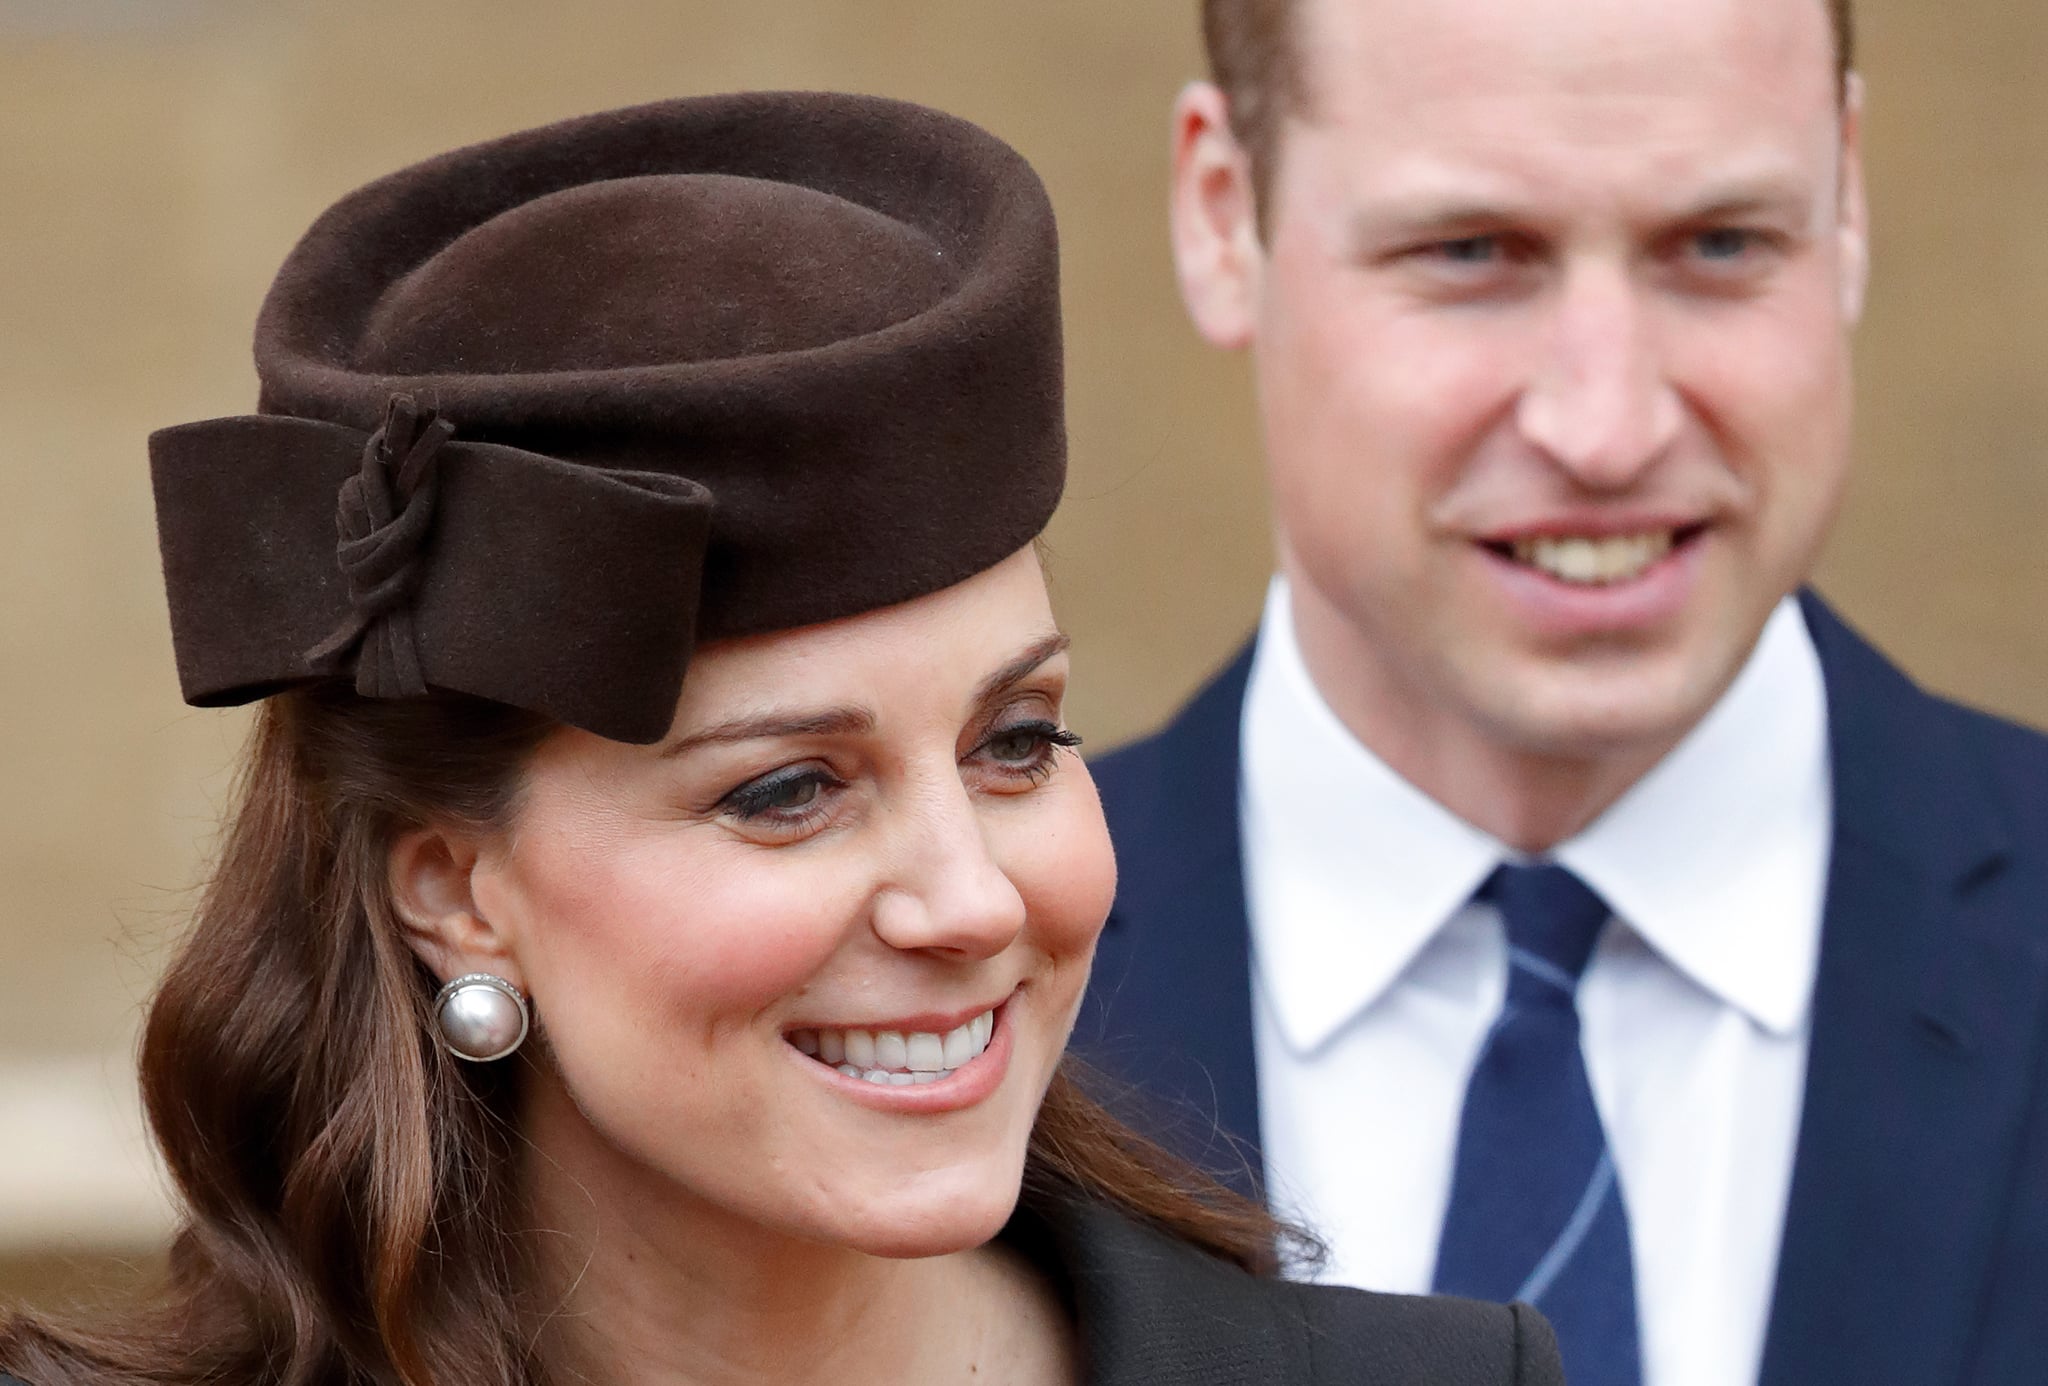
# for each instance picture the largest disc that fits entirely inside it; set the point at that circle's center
(431, 871)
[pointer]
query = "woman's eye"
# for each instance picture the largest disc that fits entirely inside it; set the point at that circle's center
(1026, 750)
(790, 794)
(1018, 744)
(786, 796)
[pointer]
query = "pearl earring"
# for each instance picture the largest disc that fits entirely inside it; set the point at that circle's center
(481, 1017)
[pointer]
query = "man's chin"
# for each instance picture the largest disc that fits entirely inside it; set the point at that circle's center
(1635, 709)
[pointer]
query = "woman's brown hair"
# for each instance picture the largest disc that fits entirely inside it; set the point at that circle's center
(347, 1186)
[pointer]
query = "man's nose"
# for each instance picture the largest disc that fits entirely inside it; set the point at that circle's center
(949, 892)
(1598, 402)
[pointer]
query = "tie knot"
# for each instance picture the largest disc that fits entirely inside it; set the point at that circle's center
(1552, 919)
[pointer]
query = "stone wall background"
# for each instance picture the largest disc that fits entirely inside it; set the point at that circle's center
(158, 157)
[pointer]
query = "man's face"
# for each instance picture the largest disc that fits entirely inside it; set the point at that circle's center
(1551, 344)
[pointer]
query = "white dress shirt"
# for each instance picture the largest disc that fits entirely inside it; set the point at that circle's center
(1376, 978)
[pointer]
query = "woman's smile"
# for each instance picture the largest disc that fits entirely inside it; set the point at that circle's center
(903, 1068)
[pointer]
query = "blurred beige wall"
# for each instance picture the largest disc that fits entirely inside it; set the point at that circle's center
(158, 157)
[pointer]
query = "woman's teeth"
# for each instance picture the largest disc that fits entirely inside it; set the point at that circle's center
(1589, 561)
(894, 1057)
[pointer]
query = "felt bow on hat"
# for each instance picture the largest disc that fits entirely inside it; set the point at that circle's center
(451, 554)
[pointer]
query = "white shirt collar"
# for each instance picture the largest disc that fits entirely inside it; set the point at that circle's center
(1717, 858)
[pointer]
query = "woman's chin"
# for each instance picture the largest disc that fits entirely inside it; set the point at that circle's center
(910, 1227)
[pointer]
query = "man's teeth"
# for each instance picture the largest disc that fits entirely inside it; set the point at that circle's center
(1575, 558)
(893, 1057)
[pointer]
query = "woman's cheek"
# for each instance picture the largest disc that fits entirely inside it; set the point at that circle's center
(687, 935)
(1065, 869)
(763, 937)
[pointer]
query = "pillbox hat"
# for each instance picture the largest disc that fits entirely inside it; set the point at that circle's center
(538, 415)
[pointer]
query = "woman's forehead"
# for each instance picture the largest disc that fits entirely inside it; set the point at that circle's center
(938, 646)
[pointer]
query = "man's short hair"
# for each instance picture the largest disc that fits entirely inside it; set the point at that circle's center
(1252, 58)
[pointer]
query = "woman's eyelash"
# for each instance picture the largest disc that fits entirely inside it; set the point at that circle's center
(768, 795)
(1050, 732)
(1047, 739)
(792, 795)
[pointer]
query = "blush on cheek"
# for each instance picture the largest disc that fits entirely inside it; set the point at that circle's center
(753, 946)
(668, 935)
(1065, 870)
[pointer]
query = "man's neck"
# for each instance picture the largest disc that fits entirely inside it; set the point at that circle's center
(1528, 798)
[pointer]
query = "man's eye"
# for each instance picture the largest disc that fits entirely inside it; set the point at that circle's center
(1724, 243)
(1469, 250)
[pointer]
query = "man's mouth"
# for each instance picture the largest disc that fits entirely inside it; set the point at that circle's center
(898, 1057)
(1587, 560)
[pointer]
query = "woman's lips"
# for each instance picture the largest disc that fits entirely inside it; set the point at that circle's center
(901, 1058)
(917, 1070)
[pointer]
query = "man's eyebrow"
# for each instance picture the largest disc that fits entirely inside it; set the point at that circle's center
(839, 721)
(1020, 668)
(1446, 215)
(1405, 220)
(1764, 195)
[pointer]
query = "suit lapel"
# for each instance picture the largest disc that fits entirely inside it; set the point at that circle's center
(1924, 1006)
(1175, 963)
(1154, 1311)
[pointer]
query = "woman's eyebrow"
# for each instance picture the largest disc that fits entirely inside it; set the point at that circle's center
(1020, 668)
(843, 721)
(855, 721)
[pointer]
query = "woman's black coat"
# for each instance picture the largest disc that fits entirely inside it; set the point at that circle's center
(1154, 1311)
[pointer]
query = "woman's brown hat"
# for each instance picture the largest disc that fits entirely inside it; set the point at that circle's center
(578, 398)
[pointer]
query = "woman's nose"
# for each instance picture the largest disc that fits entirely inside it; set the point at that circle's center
(950, 894)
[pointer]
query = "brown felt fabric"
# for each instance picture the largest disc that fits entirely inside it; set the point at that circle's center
(712, 367)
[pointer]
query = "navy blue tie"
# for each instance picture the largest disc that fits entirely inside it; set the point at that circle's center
(1536, 1213)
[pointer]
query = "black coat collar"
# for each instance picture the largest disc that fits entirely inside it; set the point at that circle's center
(1152, 1310)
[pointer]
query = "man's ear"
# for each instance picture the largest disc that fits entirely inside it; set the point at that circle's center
(431, 871)
(1214, 213)
(1853, 217)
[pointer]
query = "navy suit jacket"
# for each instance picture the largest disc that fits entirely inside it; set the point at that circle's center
(1916, 1235)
